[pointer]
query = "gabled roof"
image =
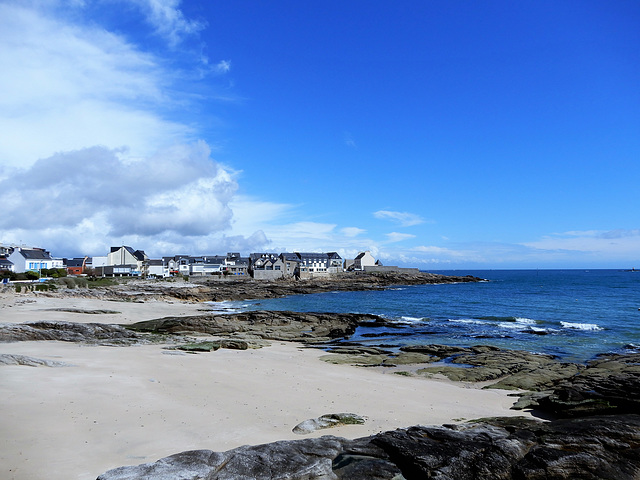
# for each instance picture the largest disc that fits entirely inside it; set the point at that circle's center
(312, 255)
(334, 255)
(215, 260)
(75, 262)
(5, 261)
(137, 254)
(290, 257)
(35, 254)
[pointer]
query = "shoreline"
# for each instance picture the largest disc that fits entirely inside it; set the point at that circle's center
(127, 405)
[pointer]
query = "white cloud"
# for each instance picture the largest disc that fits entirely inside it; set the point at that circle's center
(69, 86)
(613, 244)
(178, 192)
(168, 20)
(398, 237)
(349, 141)
(352, 231)
(223, 66)
(404, 219)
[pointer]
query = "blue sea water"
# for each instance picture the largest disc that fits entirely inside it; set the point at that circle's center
(574, 314)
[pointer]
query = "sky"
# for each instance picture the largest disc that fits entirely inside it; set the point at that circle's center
(440, 135)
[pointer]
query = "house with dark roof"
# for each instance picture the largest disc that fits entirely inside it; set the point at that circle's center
(30, 259)
(363, 260)
(291, 264)
(6, 264)
(266, 266)
(124, 262)
(236, 264)
(76, 266)
(319, 264)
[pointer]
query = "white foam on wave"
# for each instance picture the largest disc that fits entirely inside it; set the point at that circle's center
(581, 326)
(539, 329)
(467, 321)
(412, 319)
(526, 321)
(511, 325)
(225, 306)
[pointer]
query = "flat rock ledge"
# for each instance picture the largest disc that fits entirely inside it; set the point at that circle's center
(315, 327)
(68, 332)
(11, 359)
(207, 288)
(604, 447)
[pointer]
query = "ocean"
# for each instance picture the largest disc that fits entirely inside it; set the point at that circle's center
(573, 314)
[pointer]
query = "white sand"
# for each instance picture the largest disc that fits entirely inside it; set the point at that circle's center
(128, 405)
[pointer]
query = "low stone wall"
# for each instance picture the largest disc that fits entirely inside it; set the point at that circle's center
(267, 274)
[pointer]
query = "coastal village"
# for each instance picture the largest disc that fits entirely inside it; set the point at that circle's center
(124, 261)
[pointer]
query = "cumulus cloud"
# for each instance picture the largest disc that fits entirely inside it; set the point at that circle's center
(404, 219)
(180, 190)
(68, 86)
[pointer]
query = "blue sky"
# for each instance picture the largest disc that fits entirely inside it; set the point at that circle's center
(437, 134)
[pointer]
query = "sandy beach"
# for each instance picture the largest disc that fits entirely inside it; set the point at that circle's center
(113, 406)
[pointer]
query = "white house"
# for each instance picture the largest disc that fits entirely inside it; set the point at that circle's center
(319, 264)
(123, 261)
(364, 259)
(30, 259)
(126, 256)
(157, 269)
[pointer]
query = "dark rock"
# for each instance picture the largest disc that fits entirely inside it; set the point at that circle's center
(440, 351)
(388, 334)
(359, 350)
(606, 447)
(364, 359)
(67, 332)
(205, 288)
(270, 325)
(84, 311)
(609, 384)
(199, 347)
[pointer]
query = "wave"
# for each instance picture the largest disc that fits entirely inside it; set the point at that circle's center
(526, 321)
(581, 326)
(493, 318)
(520, 323)
(412, 319)
(226, 306)
(467, 321)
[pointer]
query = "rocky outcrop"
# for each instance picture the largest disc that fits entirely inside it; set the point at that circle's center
(12, 359)
(329, 420)
(610, 384)
(270, 325)
(201, 289)
(606, 447)
(68, 332)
